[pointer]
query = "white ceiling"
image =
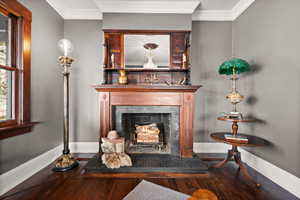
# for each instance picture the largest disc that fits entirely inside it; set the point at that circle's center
(202, 10)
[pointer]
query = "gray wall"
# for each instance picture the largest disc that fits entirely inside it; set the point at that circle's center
(211, 45)
(267, 35)
(87, 37)
(46, 90)
(147, 21)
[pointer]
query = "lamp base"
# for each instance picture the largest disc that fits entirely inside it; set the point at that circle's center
(64, 163)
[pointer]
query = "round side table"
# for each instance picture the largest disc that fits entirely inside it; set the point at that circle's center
(253, 141)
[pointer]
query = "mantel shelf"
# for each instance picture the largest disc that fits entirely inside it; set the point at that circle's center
(149, 70)
(146, 88)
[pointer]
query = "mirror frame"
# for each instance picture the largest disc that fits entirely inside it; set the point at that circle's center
(114, 44)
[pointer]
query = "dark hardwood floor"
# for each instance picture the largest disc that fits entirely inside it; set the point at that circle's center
(226, 183)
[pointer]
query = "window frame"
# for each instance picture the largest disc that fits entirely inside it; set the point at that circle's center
(21, 67)
(13, 67)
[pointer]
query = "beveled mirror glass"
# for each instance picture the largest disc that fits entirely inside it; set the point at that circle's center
(147, 51)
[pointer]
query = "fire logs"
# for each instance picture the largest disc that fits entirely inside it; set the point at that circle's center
(113, 151)
(147, 133)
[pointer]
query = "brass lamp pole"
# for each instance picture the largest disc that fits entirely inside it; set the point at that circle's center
(66, 161)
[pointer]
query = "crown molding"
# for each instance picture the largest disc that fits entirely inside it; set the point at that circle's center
(175, 6)
(222, 15)
(212, 15)
(87, 14)
(137, 6)
(58, 6)
(240, 7)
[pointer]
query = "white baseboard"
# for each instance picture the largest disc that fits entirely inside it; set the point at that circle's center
(207, 147)
(24, 171)
(279, 176)
(84, 147)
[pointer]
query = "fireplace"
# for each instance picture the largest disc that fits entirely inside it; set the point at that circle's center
(151, 108)
(163, 119)
(157, 101)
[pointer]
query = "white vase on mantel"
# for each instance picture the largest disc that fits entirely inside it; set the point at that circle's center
(150, 64)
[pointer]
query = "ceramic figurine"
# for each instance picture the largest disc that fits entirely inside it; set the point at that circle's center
(123, 80)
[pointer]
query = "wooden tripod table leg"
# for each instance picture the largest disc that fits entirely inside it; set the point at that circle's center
(230, 154)
(252, 141)
(243, 169)
(237, 158)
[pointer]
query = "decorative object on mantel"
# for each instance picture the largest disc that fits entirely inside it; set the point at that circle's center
(151, 78)
(112, 59)
(232, 68)
(203, 194)
(184, 61)
(180, 82)
(66, 161)
(123, 80)
(113, 147)
(149, 47)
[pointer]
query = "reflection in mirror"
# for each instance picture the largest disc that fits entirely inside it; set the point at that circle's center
(147, 51)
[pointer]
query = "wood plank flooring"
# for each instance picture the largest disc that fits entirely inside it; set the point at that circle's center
(226, 183)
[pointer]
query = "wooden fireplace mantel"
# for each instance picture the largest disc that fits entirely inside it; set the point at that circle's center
(146, 88)
(150, 95)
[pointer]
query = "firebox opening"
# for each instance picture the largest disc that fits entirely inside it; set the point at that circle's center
(163, 120)
(147, 132)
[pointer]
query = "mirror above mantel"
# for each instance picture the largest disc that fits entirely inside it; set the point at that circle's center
(146, 51)
(161, 55)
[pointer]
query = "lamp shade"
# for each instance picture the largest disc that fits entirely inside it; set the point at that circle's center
(65, 46)
(235, 65)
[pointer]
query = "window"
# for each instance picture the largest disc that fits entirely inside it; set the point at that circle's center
(15, 30)
(8, 69)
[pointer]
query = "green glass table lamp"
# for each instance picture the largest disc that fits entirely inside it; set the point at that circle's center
(232, 68)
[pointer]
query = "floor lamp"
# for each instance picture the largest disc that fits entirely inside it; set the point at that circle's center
(65, 162)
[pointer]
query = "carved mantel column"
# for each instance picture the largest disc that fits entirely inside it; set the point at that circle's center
(105, 114)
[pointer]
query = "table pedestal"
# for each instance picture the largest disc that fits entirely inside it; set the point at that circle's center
(234, 153)
(253, 141)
